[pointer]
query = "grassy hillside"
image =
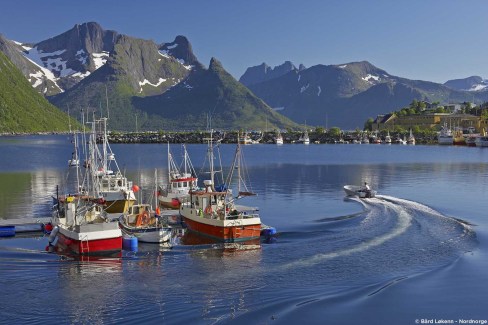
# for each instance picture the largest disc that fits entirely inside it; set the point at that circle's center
(22, 109)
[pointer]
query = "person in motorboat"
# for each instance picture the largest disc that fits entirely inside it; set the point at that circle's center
(366, 189)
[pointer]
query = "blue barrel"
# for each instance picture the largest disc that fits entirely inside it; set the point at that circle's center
(129, 243)
(7, 231)
(267, 232)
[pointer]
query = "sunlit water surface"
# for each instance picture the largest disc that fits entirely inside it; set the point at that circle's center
(416, 251)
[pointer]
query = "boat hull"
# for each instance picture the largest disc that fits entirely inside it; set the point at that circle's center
(228, 231)
(94, 243)
(150, 234)
(118, 206)
(358, 191)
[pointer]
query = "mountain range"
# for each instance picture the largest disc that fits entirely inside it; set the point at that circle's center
(143, 85)
(346, 95)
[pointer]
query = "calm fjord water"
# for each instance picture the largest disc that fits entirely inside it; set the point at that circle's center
(417, 251)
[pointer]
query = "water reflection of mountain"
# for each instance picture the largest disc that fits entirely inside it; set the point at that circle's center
(27, 194)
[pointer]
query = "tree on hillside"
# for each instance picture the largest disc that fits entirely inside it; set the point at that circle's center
(368, 125)
(335, 131)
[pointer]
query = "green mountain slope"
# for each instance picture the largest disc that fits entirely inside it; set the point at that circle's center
(214, 93)
(22, 109)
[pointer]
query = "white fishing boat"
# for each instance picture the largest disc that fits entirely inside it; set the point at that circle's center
(445, 136)
(387, 138)
(279, 138)
(305, 139)
(81, 226)
(359, 191)
(180, 182)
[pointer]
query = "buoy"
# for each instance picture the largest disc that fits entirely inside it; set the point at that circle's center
(268, 232)
(7, 231)
(47, 228)
(129, 243)
(53, 235)
(135, 188)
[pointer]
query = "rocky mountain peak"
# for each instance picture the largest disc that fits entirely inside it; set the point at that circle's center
(263, 72)
(180, 49)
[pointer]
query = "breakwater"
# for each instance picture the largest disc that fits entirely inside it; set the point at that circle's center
(256, 137)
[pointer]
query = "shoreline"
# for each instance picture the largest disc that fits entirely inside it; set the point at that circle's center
(227, 137)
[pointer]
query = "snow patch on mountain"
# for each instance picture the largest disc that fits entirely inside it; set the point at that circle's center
(342, 66)
(147, 82)
(170, 47)
(320, 90)
(478, 87)
(100, 59)
(41, 74)
(164, 53)
(304, 88)
(369, 78)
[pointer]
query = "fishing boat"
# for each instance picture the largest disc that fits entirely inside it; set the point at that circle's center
(80, 224)
(279, 138)
(117, 191)
(361, 192)
(212, 211)
(180, 182)
(146, 224)
(245, 139)
(459, 139)
(445, 136)
(81, 227)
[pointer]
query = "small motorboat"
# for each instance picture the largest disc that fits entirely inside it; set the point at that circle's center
(361, 192)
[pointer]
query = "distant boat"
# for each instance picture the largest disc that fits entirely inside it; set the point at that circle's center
(459, 139)
(482, 141)
(387, 138)
(279, 138)
(411, 138)
(305, 139)
(445, 136)
(75, 160)
(245, 139)
(180, 182)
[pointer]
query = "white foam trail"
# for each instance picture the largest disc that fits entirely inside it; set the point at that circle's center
(422, 208)
(404, 221)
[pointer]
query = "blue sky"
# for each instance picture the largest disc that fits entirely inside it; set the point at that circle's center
(434, 40)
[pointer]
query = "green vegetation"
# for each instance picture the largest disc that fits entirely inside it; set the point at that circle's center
(22, 109)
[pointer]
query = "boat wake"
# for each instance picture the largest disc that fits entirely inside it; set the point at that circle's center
(392, 234)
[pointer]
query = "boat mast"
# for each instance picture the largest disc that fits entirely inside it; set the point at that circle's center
(211, 158)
